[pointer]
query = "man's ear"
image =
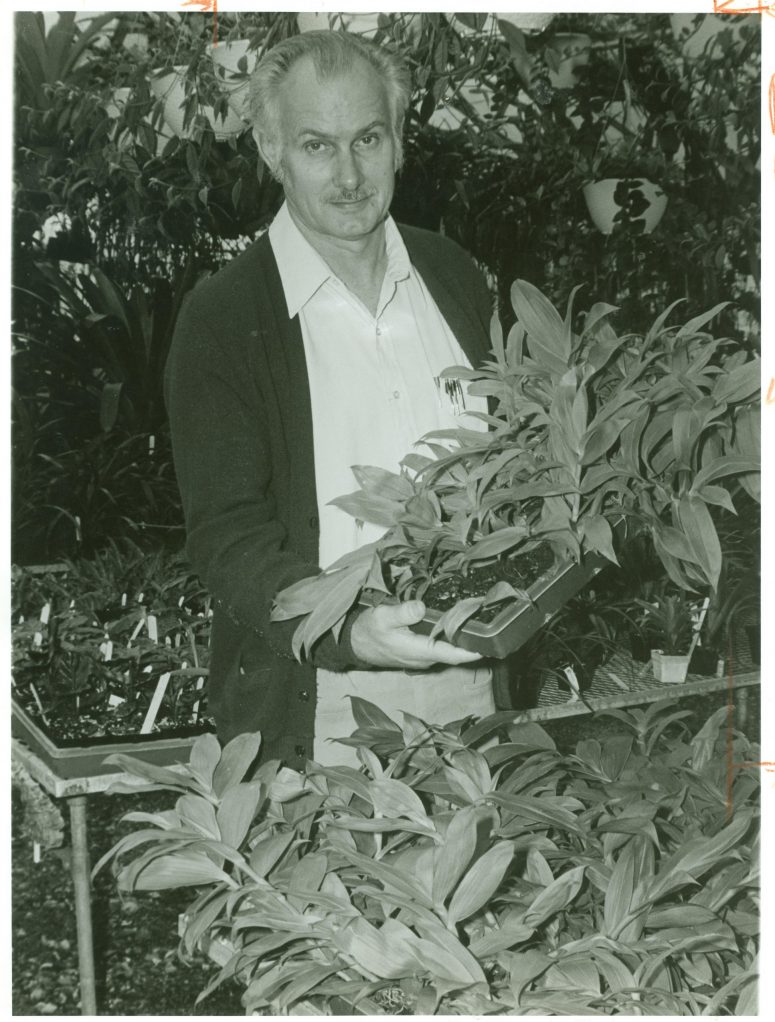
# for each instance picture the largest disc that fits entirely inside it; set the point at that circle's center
(269, 151)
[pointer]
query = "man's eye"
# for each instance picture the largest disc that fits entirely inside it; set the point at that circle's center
(369, 140)
(313, 147)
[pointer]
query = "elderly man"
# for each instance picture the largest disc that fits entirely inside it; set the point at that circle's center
(317, 349)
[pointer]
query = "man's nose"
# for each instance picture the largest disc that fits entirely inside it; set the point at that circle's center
(348, 172)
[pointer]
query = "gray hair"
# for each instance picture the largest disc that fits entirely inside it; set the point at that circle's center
(333, 54)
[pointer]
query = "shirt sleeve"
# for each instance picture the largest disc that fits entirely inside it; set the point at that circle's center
(220, 438)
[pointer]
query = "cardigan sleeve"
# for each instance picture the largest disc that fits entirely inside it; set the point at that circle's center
(221, 446)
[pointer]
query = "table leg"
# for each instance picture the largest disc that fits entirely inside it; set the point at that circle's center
(82, 883)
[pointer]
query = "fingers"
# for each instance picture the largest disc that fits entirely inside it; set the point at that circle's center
(382, 636)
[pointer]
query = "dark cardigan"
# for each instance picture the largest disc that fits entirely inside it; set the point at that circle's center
(237, 393)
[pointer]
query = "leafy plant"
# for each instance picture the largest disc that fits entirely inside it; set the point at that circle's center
(667, 622)
(458, 876)
(589, 428)
(92, 639)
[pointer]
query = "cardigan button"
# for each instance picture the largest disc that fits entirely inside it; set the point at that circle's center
(300, 750)
(314, 522)
(303, 695)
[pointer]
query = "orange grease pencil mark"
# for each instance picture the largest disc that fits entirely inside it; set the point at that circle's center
(769, 398)
(744, 7)
(206, 6)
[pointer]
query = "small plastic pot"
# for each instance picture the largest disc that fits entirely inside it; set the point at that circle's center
(670, 670)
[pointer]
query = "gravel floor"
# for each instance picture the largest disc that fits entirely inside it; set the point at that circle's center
(139, 972)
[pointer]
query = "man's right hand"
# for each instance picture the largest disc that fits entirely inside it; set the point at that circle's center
(382, 636)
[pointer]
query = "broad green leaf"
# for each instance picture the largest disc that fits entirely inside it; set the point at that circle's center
(693, 326)
(537, 869)
(237, 811)
(268, 852)
(554, 898)
(705, 741)
(394, 798)
(452, 620)
(615, 973)
(495, 941)
(205, 755)
(597, 533)
(497, 542)
(367, 714)
(339, 599)
(740, 384)
(184, 869)
(703, 539)
(446, 940)
(199, 813)
(453, 856)
(722, 467)
(383, 483)
(236, 759)
(440, 963)
(543, 324)
(306, 875)
(618, 897)
(373, 952)
(310, 978)
(682, 916)
(480, 882)
(530, 810)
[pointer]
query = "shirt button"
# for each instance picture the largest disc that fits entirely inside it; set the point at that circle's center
(396, 394)
(304, 695)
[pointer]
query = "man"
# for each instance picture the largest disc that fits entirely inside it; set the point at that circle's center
(318, 349)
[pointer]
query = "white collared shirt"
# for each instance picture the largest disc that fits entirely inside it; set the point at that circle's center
(374, 389)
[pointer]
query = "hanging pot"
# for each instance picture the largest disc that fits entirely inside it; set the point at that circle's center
(573, 49)
(603, 208)
(234, 62)
(699, 35)
(170, 88)
(448, 117)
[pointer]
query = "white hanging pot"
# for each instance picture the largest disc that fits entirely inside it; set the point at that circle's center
(573, 48)
(599, 196)
(364, 23)
(234, 62)
(447, 117)
(698, 35)
(170, 88)
(528, 22)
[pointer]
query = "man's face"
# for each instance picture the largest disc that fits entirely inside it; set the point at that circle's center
(335, 150)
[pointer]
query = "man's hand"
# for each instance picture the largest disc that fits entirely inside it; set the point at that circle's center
(381, 636)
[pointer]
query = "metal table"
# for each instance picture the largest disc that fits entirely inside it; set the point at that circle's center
(76, 790)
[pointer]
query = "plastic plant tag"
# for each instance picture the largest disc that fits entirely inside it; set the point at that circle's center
(106, 648)
(153, 709)
(153, 631)
(45, 612)
(114, 700)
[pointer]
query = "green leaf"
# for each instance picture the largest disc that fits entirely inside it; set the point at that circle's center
(199, 813)
(184, 869)
(373, 952)
(454, 855)
(597, 532)
(740, 384)
(452, 620)
(700, 531)
(394, 798)
(554, 898)
(340, 598)
(727, 466)
(544, 326)
(205, 754)
(497, 542)
(481, 881)
(268, 852)
(236, 758)
(367, 714)
(237, 811)
(695, 325)
(618, 897)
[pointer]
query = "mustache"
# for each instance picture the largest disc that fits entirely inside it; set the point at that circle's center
(354, 196)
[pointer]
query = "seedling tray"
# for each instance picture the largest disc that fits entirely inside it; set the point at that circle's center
(513, 626)
(76, 757)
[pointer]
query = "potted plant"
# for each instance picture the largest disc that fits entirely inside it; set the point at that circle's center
(591, 431)
(667, 622)
(456, 873)
(109, 653)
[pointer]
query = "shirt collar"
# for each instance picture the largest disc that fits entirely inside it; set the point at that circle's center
(303, 271)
